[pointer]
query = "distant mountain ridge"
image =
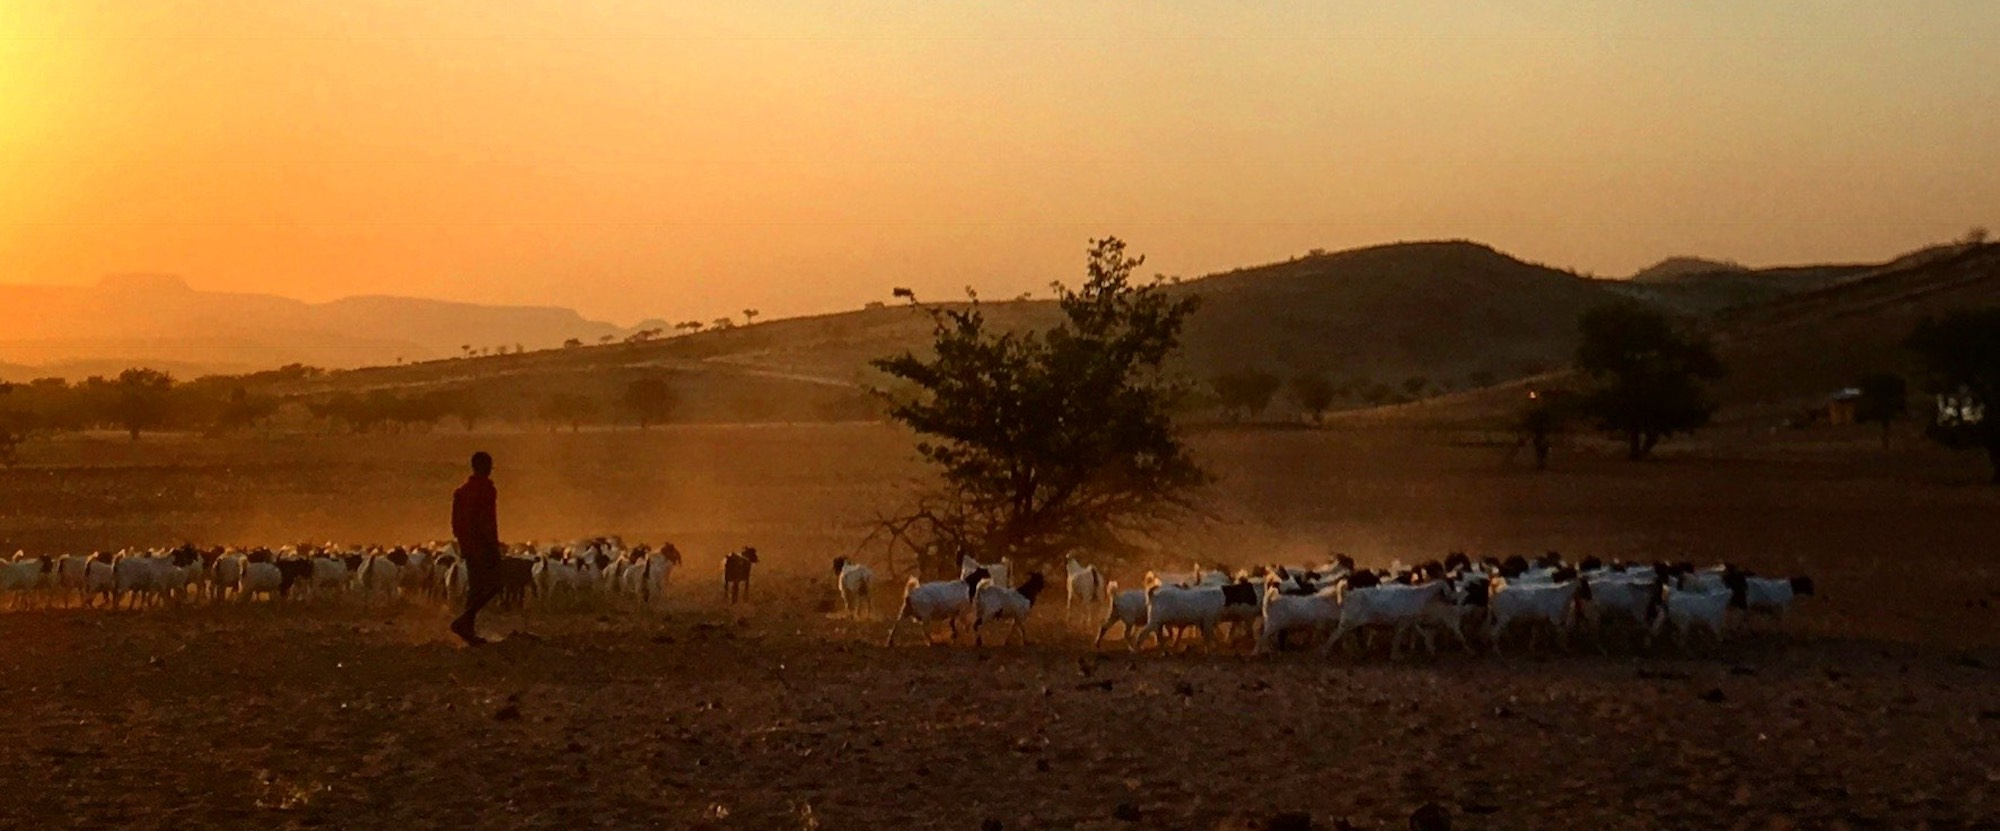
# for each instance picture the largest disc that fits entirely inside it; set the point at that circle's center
(159, 320)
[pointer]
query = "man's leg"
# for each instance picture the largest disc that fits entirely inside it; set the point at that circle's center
(482, 585)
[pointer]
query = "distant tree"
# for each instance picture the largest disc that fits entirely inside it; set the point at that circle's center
(873, 305)
(1415, 385)
(650, 400)
(242, 410)
(1481, 379)
(568, 408)
(464, 405)
(723, 323)
(1246, 393)
(1647, 377)
(467, 349)
(1885, 398)
(749, 316)
(606, 338)
(1379, 394)
(12, 428)
(691, 326)
(1313, 393)
(1020, 481)
(1975, 236)
(1961, 355)
(572, 343)
(141, 400)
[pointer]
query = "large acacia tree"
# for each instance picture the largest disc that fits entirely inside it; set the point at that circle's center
(1054, 441)
(1647, 377)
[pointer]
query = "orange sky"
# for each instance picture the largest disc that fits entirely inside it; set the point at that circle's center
(687, 159)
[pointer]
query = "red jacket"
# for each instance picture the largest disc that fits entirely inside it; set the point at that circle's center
(475, 516)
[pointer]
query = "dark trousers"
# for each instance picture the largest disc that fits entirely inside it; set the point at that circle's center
(482, 582)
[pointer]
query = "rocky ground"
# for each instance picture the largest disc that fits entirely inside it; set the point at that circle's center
(343, 716)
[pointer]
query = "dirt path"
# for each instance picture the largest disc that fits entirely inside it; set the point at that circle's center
(354, 718)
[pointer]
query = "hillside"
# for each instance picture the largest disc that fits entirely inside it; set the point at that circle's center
(161, 321)
(1456, 315)
(1444, 312)
(1792, 352)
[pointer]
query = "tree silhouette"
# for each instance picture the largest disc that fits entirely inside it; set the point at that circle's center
(650, 400)
(749, 316)
(1885, 397)
(1313, 393)
(1246, 393)
(1648, 378)
(1017, 479)
(140, 400)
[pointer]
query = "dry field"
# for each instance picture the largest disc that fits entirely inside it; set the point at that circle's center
(1879, 710)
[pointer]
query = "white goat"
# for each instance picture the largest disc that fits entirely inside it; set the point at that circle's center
(854, 580)
(1201, 607)
(1394, 605)
(1086, 588)
(1688, 610)
(1127, 607)
(946, 600)
(1509, 602)
(1283, 613)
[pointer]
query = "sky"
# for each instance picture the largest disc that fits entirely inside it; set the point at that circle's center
(686, 160)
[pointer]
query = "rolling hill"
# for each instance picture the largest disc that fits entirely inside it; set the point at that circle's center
(1457, 315)
(158, 320)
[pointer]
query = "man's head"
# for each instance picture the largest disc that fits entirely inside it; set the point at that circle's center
(482, 463)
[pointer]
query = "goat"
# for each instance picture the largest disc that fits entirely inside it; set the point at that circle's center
(1001, 571)
(996, 602)
(1127, 607)
(853, 580)
(1687, 610)
(1085, 584)
(1392, 604)
(1201, 607)
(946, 600)
(1285, 613)
(1553, 603)
(736, 575)
(1771, 596)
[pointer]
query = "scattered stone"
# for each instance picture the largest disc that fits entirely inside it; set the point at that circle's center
(1430, 817)
(1095, 685)
(989, 824)
(509, 712)
(1714, 696)
(1184, 689)
(1126, 811)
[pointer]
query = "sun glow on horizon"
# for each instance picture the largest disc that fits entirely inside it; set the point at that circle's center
(636, 159)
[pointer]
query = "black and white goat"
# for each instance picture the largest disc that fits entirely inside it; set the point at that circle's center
(736, 575)
(995, 602)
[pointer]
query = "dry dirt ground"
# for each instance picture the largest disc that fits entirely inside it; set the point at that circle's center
(1880, 709)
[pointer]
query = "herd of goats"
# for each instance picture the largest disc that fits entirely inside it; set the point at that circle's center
(1275, 607)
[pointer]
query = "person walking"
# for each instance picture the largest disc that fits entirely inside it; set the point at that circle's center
(475, 521)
